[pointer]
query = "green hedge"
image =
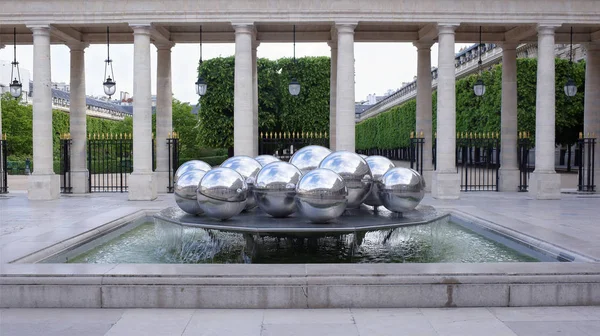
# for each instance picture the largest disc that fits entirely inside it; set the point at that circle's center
(391, 129)
(277, 109)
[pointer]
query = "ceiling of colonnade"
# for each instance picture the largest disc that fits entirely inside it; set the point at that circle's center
(305, 32)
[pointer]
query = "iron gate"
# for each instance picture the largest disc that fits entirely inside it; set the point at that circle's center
(284, 144)
(3, 166)
(173, 148)
(585, 147)
(110, 161)
(65, 164)
(416, 153)
(523, 147)
(478, 161)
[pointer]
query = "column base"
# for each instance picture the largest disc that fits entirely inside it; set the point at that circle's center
(79, 182)
(509, 179)
(427, 177)
(142, 187)
(545, 185)
(162, 181)
(43, 187)
(445, 185)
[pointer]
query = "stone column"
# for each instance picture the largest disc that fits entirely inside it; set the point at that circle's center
(591, 114)
(243, 132)
(424, 107)
(164, 114)
(509, 168)
(445, 183)
(254, 99)
(545, 183)
(142, 182)
(43, 183)
(77, 123)
(332, 94)
(1, 134)
(345, 120)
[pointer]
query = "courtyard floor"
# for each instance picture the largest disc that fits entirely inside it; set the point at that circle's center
(572, 223)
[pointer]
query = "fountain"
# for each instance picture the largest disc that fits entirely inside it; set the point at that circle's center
(318, 194)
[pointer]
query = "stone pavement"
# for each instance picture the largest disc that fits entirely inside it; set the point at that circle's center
(543, 321)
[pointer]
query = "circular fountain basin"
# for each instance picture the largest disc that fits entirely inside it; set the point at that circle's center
(363, 219)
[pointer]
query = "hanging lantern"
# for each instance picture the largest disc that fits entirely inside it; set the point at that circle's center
(479, 87)
(16, 88)
(570, 86)
(200, 83)
(110, 86)
(294, 86)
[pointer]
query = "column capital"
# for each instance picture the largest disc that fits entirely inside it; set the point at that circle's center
(163, 45)
(422, 45)
(509, 45)
(243, 27)
(332, 44)
(547, 28)
(141, 29)
(345, 27)
(78, 46)
(40, 29)
(590, 46)
(447, 27)
(2, 46)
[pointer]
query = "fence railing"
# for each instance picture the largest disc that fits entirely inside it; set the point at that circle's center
(3, 165)
(586, 150)
(525, 169)
(284, 144)
(65, 164)
(173, 149)
(478, 161)
(397, 154)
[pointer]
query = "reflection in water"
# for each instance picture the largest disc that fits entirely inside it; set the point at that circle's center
(163, 242)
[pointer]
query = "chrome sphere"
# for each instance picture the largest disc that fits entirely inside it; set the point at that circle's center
(401, 189)
(379, 165)
(190, 165)
(185, 191)
(321, 195)
(275, 188)
(266, 159)
(309, 157)
(248, 168)
(222, 193)
(363, 156)
(355, 172)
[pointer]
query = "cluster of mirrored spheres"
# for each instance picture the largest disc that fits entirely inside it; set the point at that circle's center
(317, 183)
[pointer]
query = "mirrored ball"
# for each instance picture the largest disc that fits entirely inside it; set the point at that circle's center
(356, 174)
(309, 157)
(401, 189)
(185, 191)
(321, 195)
(275, 188)
(190, 165)
(379, 165)
(266, 159)
(222, 193)
(248, 168)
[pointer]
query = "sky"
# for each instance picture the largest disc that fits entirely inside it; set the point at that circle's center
(378, 67)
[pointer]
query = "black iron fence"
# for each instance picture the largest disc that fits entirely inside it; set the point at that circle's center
(173, 148)
(478, 161)
(284, 144)
(585, 148)
(397, 154)
(65, 164)
(110, 161)
(416, 153)
(525, 168)
(3, 166)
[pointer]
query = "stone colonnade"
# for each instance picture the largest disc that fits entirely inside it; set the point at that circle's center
(443, 182)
